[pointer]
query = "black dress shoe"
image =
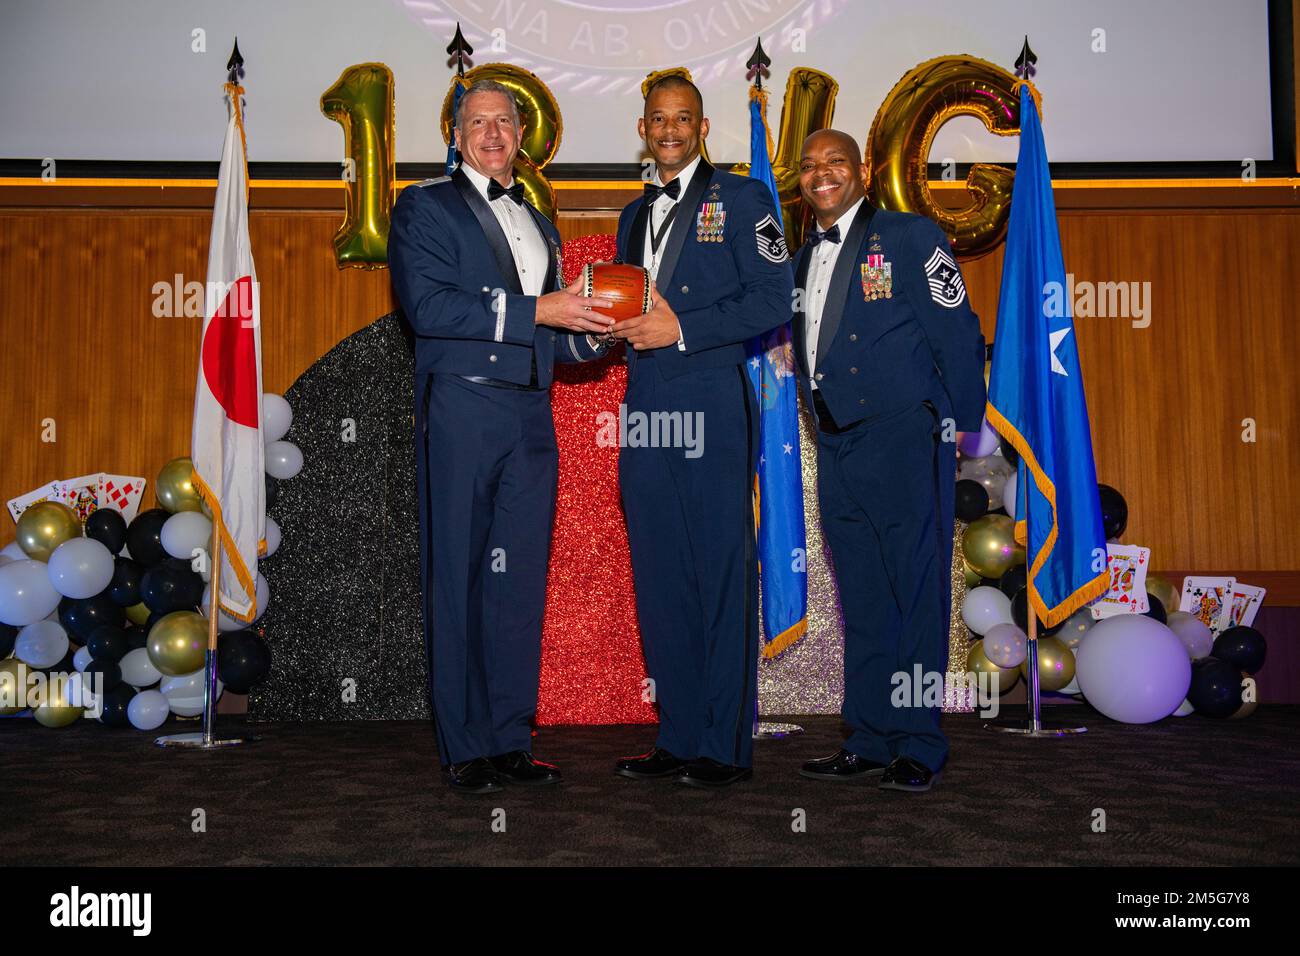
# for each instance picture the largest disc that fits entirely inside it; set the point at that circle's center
(906, 774)
(474, 776)
(649, 766)
(842, 766)
(710, 775)
(519, 767)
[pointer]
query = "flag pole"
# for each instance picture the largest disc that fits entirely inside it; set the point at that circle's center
(207, 739)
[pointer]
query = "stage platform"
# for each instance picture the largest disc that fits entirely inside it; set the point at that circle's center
(1183, 792)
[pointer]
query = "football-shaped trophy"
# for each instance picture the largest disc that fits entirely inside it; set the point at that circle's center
(628, 287)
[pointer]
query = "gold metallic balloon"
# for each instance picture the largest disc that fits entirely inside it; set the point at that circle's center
(361, 101)
(972, 576)
(539, 114)
(977, 662)
(138, 614)
(175, 489)
(1163, 590)
(54, 706)
(44, 526)
(809, 106)
(1055, 664)
(13, 686)
(177, 643)
(898, 146)
(990, 546)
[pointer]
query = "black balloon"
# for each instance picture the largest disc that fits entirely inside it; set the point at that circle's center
(1114, 511)
(137, 637)
(124, 589)
(111, 673)
(272, 491)
(1157, 609)
(1014, 580)
(171, 586)
(972, 500)
(8, 635)
(108, 527)
(1242, 647)
(1009, 453)
(1020, 614)
(243, 660)
(144, 537)
(80, 617)
(107, 643)
(1216, 688)
(115, 703)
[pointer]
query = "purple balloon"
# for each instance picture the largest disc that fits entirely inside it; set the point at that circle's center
(1133, 669)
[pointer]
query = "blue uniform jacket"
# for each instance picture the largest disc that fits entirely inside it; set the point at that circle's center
(724, 292)
(880, 355)
(456, 280)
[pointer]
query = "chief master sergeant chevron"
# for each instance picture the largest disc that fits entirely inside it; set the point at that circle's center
(477, 271)
(714, 246)
(891, 360)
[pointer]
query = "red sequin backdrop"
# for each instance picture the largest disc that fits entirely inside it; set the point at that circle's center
(592, 667)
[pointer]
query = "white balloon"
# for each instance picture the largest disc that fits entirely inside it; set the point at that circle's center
(1075, 628)
(984, 608)
(1006, 645)
(272, 537)
(1009, 494)
(1191, 630)
(26, 594)
(1133, 669)
(185, 693)
(1185, 709)
(41, 644)
(81, 660)
(185, 531)
(138, 670)
(228, 623)
(277, 416)
(283, 459)
(80, 568)
(13, 552)
(1071, 689)
(148, 709)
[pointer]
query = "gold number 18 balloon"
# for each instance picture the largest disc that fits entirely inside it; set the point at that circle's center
(362, 103)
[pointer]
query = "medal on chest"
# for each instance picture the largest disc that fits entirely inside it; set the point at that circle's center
(877, 278)
(710, 222)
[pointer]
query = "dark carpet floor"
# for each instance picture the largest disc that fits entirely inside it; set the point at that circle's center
(1182, 792)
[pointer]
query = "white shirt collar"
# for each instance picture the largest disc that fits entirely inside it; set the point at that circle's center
(479, 180)
(684, 177)
(846, 220)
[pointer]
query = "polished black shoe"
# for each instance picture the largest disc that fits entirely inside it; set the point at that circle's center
(907, 775)
(519, 767)
(474, 776)
(842, 766)
(710, 775)
(649, 766)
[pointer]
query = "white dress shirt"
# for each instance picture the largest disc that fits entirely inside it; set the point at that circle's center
(821, 266)
(527, 245)
(659, 211)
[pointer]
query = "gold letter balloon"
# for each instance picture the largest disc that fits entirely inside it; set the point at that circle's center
(898, 147)
(362, 103)
(542, 126)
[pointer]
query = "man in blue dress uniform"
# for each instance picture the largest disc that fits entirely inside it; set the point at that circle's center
(891, 360)
(477, 271)
(714, 246)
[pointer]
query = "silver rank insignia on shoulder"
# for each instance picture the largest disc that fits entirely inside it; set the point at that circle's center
(771, 239)
(877, 278)
(944, 278)
(710, 222)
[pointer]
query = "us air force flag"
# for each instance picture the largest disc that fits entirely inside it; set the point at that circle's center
(1036, 396)
(779, 480)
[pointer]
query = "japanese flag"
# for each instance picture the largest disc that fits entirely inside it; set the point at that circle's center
(227, 439)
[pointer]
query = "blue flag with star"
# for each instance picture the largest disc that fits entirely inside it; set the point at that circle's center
(778, 482)
(453, 159)
(1036, 398)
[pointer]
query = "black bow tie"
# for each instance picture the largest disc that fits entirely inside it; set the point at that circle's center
(672, 190)
(830, 235)
(515, 192)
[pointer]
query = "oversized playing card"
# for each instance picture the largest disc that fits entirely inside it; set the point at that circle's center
(1210, 600)
(1127, 593)
(123, 493)
(46, 492)
(1246, 599)
(83, 494)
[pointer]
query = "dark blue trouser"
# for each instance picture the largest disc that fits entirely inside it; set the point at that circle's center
(691, 534)
(487, 502)
(886, 491)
